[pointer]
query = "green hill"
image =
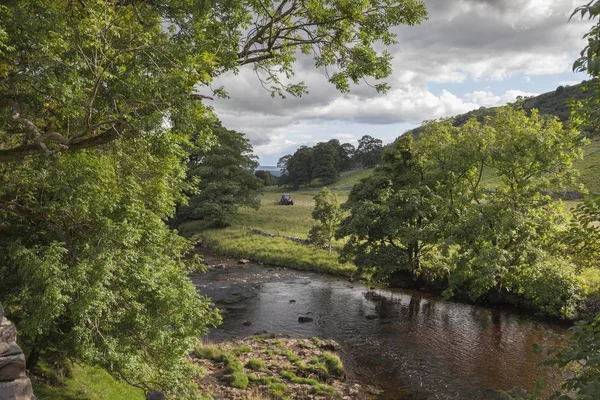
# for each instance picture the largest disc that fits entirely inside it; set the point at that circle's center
(556, 102)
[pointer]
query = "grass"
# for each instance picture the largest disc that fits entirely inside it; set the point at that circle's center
(84, 383)
(256, 365)
(239, 242)
(277, 389)
(234, 366)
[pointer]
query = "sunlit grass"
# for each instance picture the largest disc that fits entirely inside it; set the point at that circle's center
(84, 383)
(240, 243)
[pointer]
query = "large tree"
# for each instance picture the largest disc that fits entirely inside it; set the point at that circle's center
(393, 219)
(226, 181)
(76, 74)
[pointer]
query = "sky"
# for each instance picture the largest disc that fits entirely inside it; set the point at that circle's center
(467, 54)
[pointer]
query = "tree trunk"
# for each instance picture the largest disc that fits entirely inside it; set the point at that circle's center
(33, 358)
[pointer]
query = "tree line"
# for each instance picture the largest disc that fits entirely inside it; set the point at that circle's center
(325, 161)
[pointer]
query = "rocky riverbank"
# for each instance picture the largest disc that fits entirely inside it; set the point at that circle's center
(268, 367)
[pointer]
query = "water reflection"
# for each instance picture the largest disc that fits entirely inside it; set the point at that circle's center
(418, 347)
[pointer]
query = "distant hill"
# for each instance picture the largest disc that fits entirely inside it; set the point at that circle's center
(556, 102)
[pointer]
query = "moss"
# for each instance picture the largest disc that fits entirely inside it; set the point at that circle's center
(277, 389)
(242, 349)
(233, 364)
(239, 380)
(256, 365)
(208, 352)
(316, 341)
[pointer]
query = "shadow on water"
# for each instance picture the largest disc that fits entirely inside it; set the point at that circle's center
(411, 345)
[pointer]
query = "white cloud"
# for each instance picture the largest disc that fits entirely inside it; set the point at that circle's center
(463, 44)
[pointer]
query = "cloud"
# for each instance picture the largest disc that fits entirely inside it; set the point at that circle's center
(464, 43)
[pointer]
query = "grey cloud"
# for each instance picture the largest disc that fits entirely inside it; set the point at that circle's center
(480, 39)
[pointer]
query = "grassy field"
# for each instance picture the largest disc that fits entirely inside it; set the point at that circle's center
(296, 220)
(85, 383)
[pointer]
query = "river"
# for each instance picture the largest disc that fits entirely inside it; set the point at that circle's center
(410, 344)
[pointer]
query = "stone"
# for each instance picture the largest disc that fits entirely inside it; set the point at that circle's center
(153, 395)
(19, 389)
(8, 333)
(12, 362)
(247, 323)
(371, 316)
(305, 319)
(243, 261)
(292, 301)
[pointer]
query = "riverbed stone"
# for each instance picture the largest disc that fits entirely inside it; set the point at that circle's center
(8, 333)
(14, 383)
(153, 395)
(19, 389)
(303, 319)
(12, 362)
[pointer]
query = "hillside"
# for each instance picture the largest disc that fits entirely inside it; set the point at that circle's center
(556, 102)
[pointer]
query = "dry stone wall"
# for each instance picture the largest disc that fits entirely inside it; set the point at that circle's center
(14, 383)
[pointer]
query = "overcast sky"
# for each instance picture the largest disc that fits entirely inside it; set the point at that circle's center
(468, 54)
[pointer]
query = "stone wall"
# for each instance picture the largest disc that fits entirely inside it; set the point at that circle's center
(14, 383)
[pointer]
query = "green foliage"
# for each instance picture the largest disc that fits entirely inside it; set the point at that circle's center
(88, 265)
(328, 214)
(579, 355)
(325, 162)
(82, 383)
(583, 236)
(266, 177)
(369, 150)
(225, 179)
(426, 211)
(590, 55)
(392, 215)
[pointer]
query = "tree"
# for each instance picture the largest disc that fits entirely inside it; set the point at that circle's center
(368, 152)
(107, 64)
(226, 181)
(300, 167)
(283, 165)
(266, 177)
(91, 273)
(324, 163)
(505, 240)
(393, 216)
(328, 214)
(346, 152)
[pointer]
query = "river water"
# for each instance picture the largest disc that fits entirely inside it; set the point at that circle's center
(409, 344)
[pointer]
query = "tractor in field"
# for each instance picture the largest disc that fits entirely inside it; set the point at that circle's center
(286, 200)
